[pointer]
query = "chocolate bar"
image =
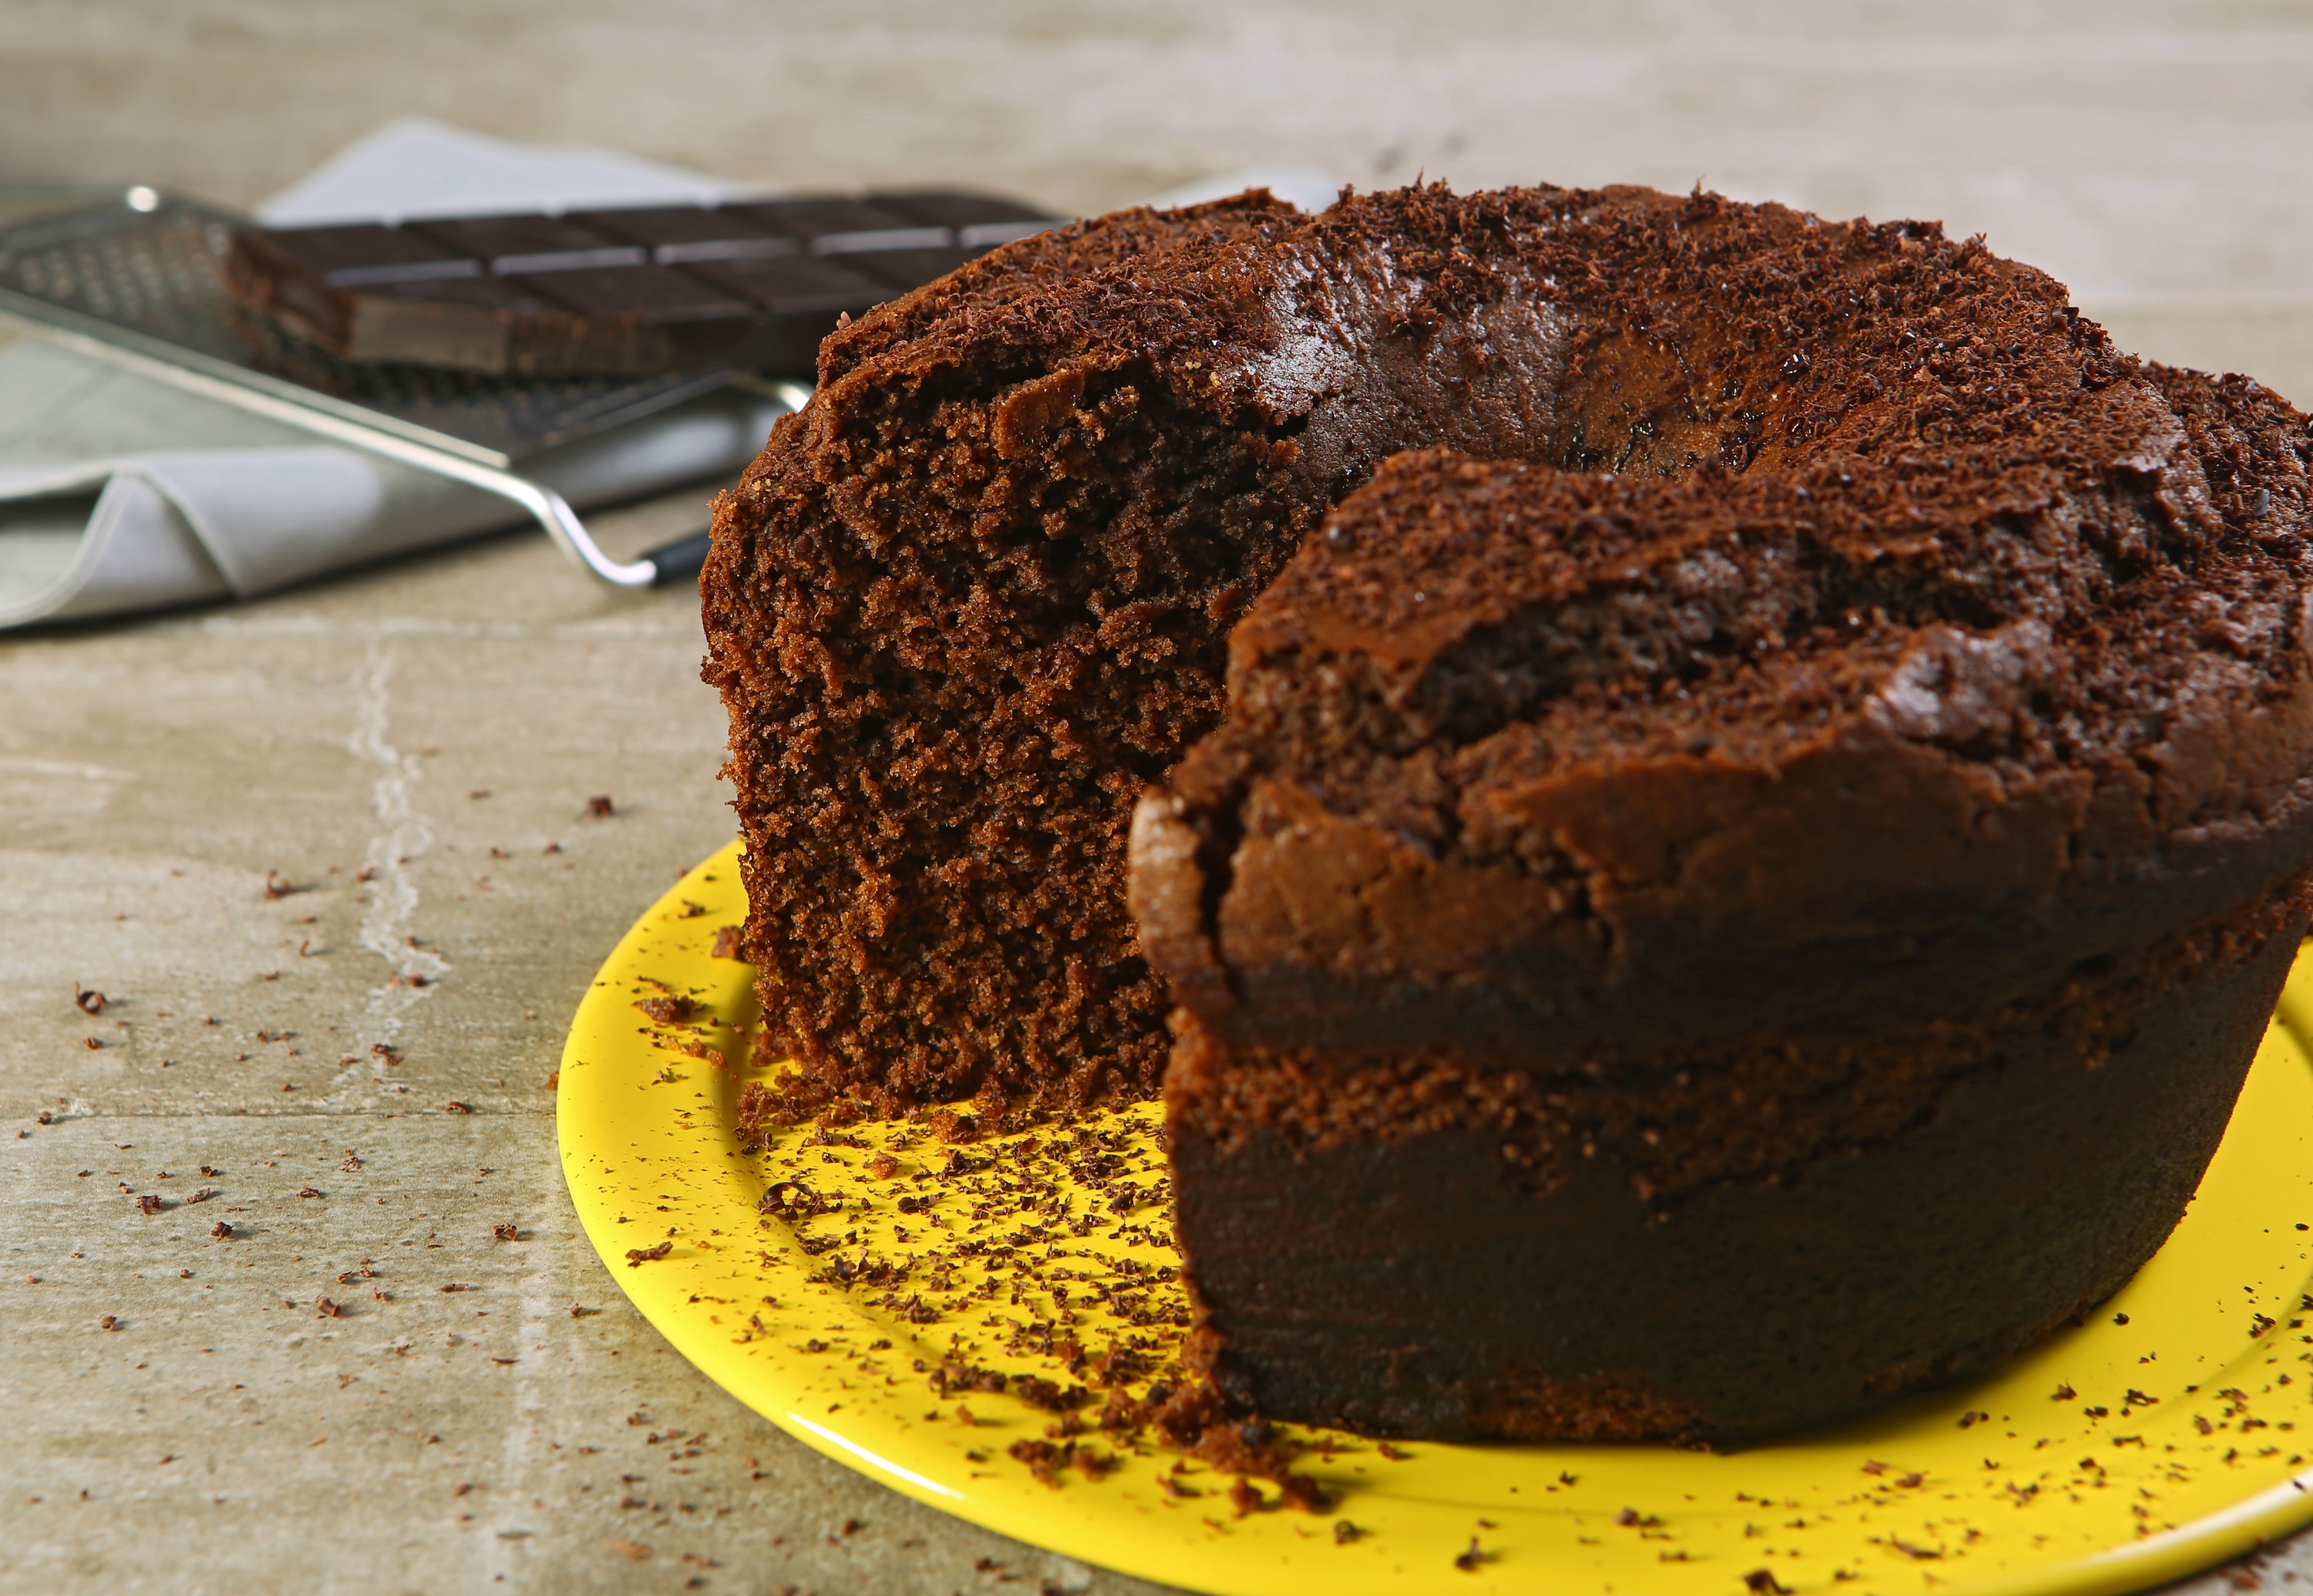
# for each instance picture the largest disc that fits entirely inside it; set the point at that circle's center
(613, 293)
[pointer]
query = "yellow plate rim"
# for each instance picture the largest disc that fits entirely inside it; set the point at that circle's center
(597, 1126)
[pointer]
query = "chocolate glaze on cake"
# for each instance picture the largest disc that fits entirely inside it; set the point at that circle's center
(1694, 948)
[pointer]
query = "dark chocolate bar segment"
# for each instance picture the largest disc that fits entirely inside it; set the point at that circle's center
(824, 217)
(959, 211)
(510, 245)
(800, 296)
(475, 323)
(632, 292)
(678, 235)
(651, 320)
(904, 266)
(303, 277)
(351, 256)
(980, 222)
(798, 284)
(657, 296)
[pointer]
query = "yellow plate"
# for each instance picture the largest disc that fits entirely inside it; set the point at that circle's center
(2169, 1433)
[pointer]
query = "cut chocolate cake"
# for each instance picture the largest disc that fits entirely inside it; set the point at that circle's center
(1806, 761)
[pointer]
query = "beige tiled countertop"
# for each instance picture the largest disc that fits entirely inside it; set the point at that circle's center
(458, 713)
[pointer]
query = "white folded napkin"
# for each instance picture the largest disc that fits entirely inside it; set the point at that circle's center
(119, 493)
(420, 167)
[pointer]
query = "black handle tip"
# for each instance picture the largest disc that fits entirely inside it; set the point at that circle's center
(679, 558)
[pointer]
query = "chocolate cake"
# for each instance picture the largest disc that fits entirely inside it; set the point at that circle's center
(1800, 760)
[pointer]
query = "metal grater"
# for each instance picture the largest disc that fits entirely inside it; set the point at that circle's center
(139, 281)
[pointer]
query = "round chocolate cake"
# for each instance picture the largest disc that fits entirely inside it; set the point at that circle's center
(1741, 870)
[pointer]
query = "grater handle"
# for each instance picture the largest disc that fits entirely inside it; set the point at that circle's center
(681, 558)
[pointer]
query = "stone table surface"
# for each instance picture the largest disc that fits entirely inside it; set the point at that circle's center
(410, 751)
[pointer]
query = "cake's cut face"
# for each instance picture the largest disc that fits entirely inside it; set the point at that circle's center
(1837, 898)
